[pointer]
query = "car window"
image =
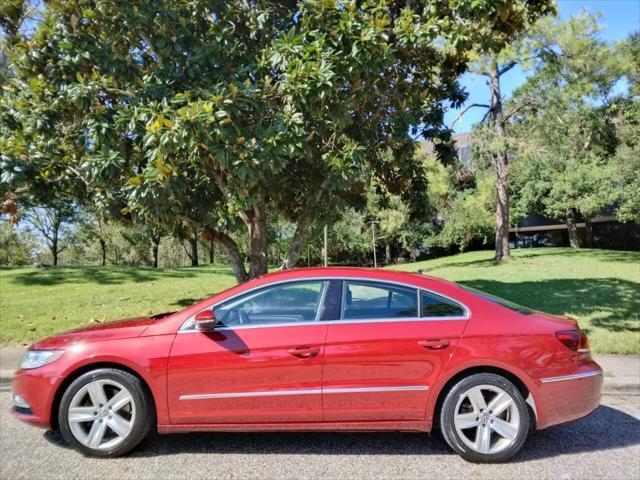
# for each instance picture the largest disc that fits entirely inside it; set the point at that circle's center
(368, 300)
(287, 303)
(436, 306)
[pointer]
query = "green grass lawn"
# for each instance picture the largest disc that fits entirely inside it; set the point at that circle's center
(39, 302)
(601, 288)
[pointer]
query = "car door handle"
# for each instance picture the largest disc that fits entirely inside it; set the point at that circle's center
(304, 352)
(434, 344)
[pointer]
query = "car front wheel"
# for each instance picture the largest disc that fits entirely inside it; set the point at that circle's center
(105, 412)
(484, 418)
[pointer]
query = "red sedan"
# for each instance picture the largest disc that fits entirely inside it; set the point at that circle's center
(317, 349)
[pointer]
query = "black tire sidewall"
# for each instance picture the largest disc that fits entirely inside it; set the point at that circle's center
(142, 402)
(447, 425)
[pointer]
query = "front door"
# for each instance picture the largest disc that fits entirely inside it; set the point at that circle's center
(262, 364)
(382, 356)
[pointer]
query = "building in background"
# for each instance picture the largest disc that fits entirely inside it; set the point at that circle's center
(536, 230)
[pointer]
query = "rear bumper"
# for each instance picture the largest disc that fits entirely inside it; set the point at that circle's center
(568, 397)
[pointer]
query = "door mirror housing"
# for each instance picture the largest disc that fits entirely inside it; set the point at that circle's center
(205, 321)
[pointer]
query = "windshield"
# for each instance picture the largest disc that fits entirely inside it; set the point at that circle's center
(500, 301)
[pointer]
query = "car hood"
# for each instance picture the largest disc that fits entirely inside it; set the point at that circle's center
(132, 327)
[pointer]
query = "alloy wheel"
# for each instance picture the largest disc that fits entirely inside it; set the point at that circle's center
(487, 419)
(101, 414)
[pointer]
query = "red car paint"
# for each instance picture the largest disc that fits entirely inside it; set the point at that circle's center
(327, 375)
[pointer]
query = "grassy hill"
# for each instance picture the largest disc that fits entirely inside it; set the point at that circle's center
(601, 288)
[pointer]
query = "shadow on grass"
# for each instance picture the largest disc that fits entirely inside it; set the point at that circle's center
(616, 301)
(523, 254)
(606, 429)
(187, 302)
(110, 275)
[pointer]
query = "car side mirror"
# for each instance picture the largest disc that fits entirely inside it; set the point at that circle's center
(205, 321)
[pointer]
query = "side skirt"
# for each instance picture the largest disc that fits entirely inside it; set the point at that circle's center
(404, 426)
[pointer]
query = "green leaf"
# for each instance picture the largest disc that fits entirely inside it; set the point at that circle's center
(135, 181)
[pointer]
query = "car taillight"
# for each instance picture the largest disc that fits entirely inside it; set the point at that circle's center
(575, 340)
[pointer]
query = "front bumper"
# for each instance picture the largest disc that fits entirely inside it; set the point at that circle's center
(569, 397)
(36, 388)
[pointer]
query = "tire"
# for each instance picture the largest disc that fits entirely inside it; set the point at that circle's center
(484, 418)
(105, 413)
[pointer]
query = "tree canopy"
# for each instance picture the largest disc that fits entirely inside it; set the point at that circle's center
(565, 138)
(224, 112)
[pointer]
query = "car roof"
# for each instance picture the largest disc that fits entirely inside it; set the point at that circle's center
(358, 272)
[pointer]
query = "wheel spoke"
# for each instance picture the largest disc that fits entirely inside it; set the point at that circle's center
(119, 400)
(466, 420)
(477, 399)
(96, 434)
(96, 392)
(500, 403)
(81, 414)
(504, 429)
(483, 439)
(119, 425)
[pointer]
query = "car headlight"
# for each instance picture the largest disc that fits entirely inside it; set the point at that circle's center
(39, 358)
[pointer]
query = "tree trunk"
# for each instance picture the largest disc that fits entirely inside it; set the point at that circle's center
(103, 249)
(588, 233)
(502, 169)
(233, 253)
(54, 251)
(387, 253)
(258, 257)
(572, 229)
(302, 228)
(193, 242)
(297, 243)
(212, 251)
(154, 248)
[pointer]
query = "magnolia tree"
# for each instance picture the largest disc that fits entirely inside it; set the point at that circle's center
(227, 112)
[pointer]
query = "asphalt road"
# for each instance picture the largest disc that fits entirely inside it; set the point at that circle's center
(603, 445)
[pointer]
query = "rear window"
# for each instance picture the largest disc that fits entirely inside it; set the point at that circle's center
(500, 301)
(435, 306)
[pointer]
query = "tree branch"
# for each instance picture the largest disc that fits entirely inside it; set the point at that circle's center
(507, 67)
(507, 116)
(119, 92)
(223, 188)
(468, 107)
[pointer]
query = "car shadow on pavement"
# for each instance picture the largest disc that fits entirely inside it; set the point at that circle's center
(607, 428)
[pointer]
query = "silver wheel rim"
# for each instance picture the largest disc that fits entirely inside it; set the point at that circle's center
(487, 419)
(101, 414)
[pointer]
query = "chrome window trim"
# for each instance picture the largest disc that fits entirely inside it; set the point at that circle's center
(305, 391)
(185, 327)
(343, 305)
(576, 376)
(331, 322)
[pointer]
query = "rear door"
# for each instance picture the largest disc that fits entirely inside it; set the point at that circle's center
(383, 354)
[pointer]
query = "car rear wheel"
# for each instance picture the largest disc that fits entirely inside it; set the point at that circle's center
(484, 418)
(105, 412)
